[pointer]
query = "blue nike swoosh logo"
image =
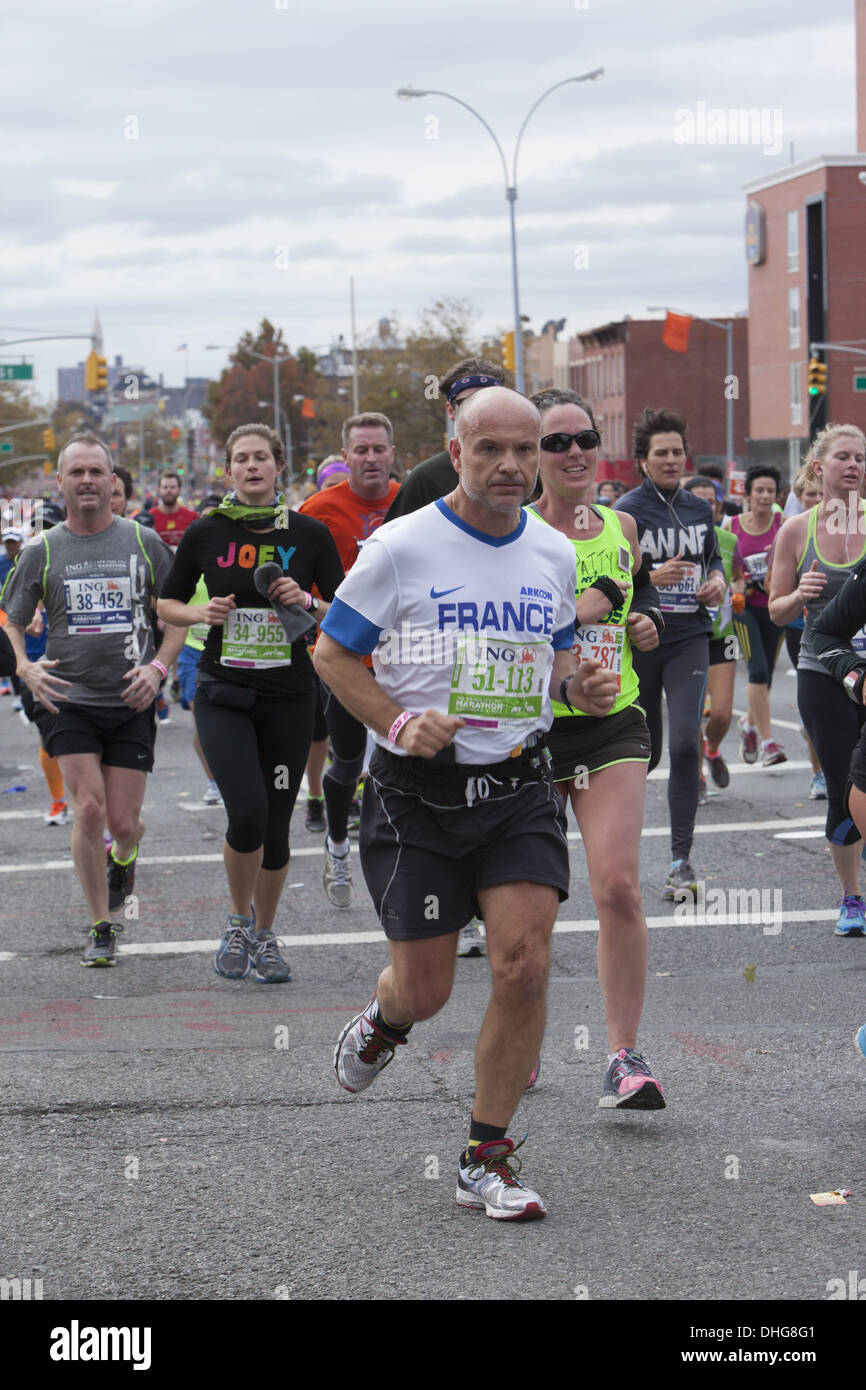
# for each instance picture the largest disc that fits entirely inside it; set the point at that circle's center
(443, 592)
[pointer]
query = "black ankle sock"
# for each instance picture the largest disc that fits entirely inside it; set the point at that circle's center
(402, 1030)
(481, 1134)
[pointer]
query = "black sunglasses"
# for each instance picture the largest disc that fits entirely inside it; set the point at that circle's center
(560, 442)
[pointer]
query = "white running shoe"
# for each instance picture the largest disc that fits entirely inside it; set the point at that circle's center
(489, 1182)
(363, 1049)
(471, 940)
(212, 795)
(337, 877)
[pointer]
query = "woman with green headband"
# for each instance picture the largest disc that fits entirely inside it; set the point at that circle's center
(255, 698)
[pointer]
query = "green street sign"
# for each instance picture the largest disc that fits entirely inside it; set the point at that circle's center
(7, 447)
(16, 371)
(860, 381)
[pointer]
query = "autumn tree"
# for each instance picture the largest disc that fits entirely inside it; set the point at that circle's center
(234, 399)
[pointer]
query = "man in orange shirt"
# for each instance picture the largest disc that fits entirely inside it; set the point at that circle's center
(352, 511)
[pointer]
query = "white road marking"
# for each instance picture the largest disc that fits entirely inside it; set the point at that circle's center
(650, 832)
(372, 938)
(800, 835)
(792, 765)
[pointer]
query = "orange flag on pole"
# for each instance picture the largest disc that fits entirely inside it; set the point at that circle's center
(676, 332)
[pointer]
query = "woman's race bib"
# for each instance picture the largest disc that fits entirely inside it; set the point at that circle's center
(756, 566)
(498, 680)
(254, 638)
(682, 597)
(600, 642)
(98, 606)
(858, 642)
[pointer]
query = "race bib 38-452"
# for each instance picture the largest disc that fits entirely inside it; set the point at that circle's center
(96, 606)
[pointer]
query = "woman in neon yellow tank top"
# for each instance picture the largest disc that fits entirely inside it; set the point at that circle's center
(600, 764)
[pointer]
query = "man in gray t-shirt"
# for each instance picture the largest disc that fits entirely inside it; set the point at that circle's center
(97, 592)
(99, 577)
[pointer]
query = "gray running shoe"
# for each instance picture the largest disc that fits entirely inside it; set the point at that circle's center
(269, 966)
(101, 944)
(489, 1182)
(362, 1050)
(470, 941)
(232, 959)
(337, 878)
(682, 876)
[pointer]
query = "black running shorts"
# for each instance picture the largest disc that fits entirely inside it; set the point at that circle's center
(434, 832)
(120, 736)
(588, 743)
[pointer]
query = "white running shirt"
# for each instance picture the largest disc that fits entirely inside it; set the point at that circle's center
(462, 622)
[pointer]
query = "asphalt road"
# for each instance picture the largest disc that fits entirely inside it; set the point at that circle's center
(167, 1134)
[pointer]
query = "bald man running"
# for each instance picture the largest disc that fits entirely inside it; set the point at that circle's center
(468, 609)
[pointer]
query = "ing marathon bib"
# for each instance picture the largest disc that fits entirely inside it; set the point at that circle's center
(96, 606)
(254, 638)
(756, 566)
(682, 597)
(601, 642)
(494, 681)
(858, 642)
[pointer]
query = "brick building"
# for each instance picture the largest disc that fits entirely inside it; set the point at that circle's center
(622, 367)
(805, 240)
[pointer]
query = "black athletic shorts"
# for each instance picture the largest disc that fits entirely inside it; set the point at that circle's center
(588, 743)
(434, 831)
(722, 649)
(122, 737)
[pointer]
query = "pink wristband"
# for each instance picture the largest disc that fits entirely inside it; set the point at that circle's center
(399, 722)
(159, 666)
(308, 599)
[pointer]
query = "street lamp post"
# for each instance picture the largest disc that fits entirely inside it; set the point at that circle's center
(728, 328)
(406, 94)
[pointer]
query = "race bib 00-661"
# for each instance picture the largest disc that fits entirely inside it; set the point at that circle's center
(682, 597)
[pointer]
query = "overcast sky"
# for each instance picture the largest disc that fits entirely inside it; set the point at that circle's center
(270, 160)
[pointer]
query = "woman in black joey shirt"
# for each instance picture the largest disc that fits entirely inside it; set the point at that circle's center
(255, 698)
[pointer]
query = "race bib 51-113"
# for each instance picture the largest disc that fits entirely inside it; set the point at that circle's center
(498, 680)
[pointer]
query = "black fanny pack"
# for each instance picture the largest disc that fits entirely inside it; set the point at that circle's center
(225, 693)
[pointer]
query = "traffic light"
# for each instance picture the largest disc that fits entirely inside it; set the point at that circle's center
(49, 443)
(508, 351)
(817, 377)
(95, 373)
